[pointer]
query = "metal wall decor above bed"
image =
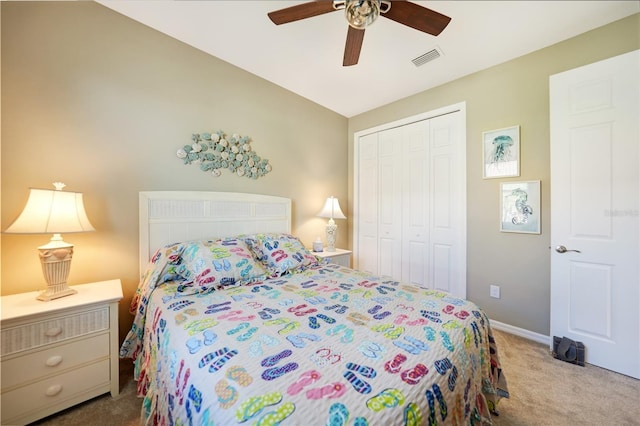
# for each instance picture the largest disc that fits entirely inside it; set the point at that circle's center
(215, 152)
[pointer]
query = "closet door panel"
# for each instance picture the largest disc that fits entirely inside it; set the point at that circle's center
(441, 223)
(386, 263)
(415, 203)
(416, 268)
(442, 267)
(367, 204)
(445, 213)
(390, 202)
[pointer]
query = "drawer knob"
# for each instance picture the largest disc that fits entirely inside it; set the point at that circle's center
(53, 331)
(53, 361)
(53, 390)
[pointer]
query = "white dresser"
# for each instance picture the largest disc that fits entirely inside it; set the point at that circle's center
(59, 353)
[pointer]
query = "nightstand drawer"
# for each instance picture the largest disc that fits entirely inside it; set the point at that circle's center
(55, 391)
(36, 334)
(29, 367)
(339, 256)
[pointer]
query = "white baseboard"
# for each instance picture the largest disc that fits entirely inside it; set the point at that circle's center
(536, 337)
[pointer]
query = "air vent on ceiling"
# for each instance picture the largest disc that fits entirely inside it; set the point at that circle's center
(427, 57)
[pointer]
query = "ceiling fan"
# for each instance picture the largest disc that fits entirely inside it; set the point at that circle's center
(362, 13)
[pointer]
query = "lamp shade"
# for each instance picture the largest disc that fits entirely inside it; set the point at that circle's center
(332, 209)
(52, 212)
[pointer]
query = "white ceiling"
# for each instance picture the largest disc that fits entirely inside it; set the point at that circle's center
(305, 57)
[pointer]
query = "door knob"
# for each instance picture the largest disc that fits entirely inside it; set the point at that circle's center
(563, 249)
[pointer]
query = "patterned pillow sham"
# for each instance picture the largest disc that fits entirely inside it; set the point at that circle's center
(219, 263)
(164, 262)
(280, 253)
(160, 269)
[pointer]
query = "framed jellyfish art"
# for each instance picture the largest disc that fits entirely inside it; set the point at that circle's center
(501, 153)
(520, 207)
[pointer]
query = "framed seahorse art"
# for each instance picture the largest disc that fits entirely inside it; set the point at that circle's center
(520, 207)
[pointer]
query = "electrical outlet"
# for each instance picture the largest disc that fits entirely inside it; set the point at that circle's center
(494, 291)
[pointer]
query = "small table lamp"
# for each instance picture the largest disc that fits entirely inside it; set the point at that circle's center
(55, 212)
(331, 210)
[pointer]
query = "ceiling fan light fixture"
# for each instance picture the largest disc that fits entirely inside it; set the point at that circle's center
(361, 13)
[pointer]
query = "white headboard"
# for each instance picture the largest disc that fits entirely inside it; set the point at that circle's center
(172, 216)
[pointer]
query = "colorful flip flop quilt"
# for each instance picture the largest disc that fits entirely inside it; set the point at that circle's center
(323, 345)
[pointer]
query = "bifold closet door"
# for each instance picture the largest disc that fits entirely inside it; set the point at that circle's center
(394, 203)
(390, 195)
(410, 203)
(367, 203)
(447, 175)
(414, 168)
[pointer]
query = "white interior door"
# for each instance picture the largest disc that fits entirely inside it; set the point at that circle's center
(595, 189)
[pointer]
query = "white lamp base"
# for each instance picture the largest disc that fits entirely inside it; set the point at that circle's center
(331, 232)
(53, 293)
(55, 258)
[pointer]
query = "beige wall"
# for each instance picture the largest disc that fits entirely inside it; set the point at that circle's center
(102, 103)
(513, 93)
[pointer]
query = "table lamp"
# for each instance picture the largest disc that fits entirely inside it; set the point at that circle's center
(331, 210)
(48, 211)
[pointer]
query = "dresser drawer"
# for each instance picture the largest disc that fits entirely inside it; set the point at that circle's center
(52, 360)
(54, 391)
(56, 329)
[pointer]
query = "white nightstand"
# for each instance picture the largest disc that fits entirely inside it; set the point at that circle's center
(59, 353)
(340, 256)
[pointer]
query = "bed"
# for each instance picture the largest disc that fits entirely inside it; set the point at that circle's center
(237, 323)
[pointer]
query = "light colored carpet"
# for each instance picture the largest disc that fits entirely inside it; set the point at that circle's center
(544, 392)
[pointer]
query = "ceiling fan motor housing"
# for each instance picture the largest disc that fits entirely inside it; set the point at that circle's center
(361, 13)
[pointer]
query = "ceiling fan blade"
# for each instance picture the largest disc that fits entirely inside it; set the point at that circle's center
(301, 11)
(417, 17)
(352, 47)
